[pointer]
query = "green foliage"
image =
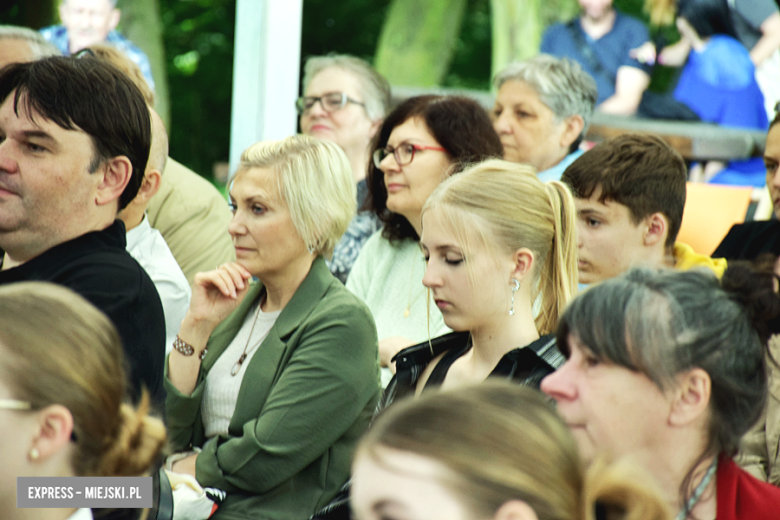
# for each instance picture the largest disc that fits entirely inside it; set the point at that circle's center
(198, 37)
(470, 67)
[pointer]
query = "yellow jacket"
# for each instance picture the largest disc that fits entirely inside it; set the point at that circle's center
(686, 258)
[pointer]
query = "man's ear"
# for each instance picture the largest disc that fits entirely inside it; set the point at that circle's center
(149, 186)
(691, 398)
(113, 19)
(116, 172)
(572, 130)
(53, 431)
(656, 229)
(515, 510)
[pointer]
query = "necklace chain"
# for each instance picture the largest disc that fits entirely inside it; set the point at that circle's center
(696, 496)
(237, 366)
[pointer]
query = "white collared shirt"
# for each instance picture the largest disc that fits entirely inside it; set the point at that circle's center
(149, 249)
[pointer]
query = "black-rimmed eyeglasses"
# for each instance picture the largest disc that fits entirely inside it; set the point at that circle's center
(330, 102)
(403, 153)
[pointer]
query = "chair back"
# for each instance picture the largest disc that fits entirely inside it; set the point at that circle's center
(710, 211)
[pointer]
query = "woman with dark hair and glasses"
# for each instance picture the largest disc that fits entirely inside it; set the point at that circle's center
(422, 142)
(63, 400)
(668, 368)
(344, 102)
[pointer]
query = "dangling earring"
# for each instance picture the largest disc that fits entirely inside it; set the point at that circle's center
(515, 287)
(310, 249)
(34, 454)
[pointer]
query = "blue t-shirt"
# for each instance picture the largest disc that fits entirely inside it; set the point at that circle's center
(719, 84)
(611, 49)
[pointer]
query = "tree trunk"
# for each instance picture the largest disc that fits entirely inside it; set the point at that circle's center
(418, 41)
(518, 26)
(142, 25)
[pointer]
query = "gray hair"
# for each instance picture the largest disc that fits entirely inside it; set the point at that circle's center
(664, 323)
(561, 83)
(39, 47)
(374, 88)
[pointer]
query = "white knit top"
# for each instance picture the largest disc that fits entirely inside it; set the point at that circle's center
(221, 391)
(388, 278)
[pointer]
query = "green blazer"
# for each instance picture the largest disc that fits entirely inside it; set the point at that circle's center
(307, 396)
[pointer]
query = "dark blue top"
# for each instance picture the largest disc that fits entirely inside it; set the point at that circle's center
(611, 49)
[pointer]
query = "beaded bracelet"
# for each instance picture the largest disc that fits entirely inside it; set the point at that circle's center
(186, 349)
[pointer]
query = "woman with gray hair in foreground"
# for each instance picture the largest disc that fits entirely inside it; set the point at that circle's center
(543, 109)
(275, 381)
(668, 368)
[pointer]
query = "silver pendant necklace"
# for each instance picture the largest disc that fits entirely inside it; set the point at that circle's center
(237, 366)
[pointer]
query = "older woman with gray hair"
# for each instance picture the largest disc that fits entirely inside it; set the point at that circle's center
(344, 102)
(543, 109)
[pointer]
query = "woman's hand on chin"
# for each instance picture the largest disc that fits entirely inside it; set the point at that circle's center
(217, 293)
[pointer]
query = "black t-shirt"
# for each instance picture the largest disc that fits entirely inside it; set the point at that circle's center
(98, 267)
(747, 241)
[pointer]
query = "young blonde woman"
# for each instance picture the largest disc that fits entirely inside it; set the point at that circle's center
(501, 256)
(62, 397)
(495, 451)
(422, 141)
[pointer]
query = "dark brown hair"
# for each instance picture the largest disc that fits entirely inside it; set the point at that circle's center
(91, 95)
(641, 172)
(459, 124)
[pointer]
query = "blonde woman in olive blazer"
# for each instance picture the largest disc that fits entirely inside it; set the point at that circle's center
(304, 390)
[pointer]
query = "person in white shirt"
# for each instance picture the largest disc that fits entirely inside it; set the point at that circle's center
(148, 246)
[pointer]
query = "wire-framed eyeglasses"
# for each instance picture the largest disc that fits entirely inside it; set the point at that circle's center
(403, 153)
(14, 404)
(330, 102)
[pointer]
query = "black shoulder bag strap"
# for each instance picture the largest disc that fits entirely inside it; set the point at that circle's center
(587, 51)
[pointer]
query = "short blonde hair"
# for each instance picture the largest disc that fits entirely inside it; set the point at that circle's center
(508, 208)
(315, 179)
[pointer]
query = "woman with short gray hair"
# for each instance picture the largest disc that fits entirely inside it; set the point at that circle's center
(543, 109)
(344, 101)
(668, 368)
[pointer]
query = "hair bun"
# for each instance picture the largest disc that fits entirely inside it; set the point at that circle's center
(624, 488)
(753, 289)
(139, 441)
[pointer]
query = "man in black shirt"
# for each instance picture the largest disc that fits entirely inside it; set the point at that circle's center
(74, 142)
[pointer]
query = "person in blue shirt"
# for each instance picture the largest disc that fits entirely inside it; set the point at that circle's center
(88, 22)
(600, 40)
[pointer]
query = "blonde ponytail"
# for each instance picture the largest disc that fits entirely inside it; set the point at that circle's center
(558, 279)
(507, 207)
